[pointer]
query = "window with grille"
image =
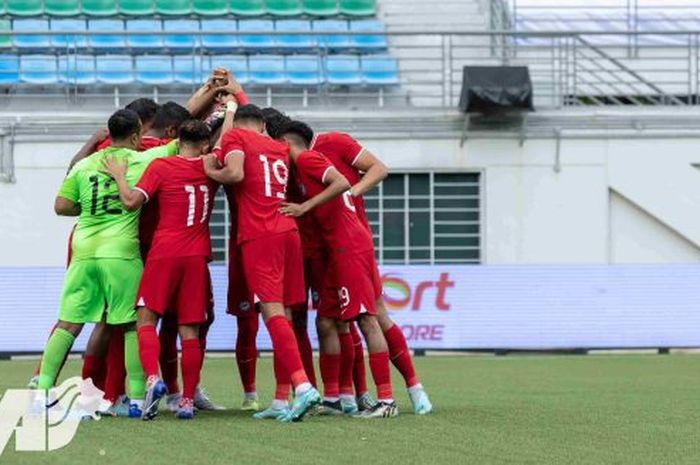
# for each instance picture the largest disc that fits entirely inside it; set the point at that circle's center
(417, 218)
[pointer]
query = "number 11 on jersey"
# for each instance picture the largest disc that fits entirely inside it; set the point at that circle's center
(192, 194)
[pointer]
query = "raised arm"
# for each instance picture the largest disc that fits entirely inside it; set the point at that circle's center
(89, 147)
(335, 183)
(375, 172)
(132, 199)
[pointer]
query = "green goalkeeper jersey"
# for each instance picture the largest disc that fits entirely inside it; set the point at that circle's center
(105, 229)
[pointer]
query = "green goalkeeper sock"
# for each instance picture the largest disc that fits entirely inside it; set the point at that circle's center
(55, 352)
(136, 380)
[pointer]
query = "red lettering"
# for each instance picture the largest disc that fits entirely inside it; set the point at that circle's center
(442, 286)
(419, 294)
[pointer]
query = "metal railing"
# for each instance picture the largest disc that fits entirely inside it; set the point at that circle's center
(568, 68)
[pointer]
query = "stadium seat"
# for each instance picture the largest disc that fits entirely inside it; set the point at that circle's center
(376, 42)
(237, 64)
(62, 7)
(248, 7)
(212, 7)
(267, 69)
(188, 69)
(284, 7)
(9, 69)
(174, 7)
(31, 25)
(256, 25)
(5, 41)
(179, 29)
(294, 41)
(380, 69)
(343, 70)
(38, 69)
(219, 41)
(3, 7)
(303, 70)
(24, 7)
(115, 41)
(78, 69)
(321, 7)
(141, 25)
(358, 7)
(332, 25)
(99, 7)
(68, 25)
(114, 69)
(154, 69)
(136, 7)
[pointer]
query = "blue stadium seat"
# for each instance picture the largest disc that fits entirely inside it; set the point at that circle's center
(78, 69)
(380, 70)
(112, 42)
(9, 69)
(303, 70)
(38, 69)
(144, 25)
(154, 69)
(226, 42)
(187, 69)
(114, 69)
(267, 69)
(179, 28)
(343, 70)
(375, 42)
(332, 25)
(294, 41)
(69, 25)
(256, 25)
(237, 64)
(31, 25)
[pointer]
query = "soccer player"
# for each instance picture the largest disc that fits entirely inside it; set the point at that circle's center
(146, 108)
(176, 275)
(106, 267)
(270, 245)
(353, 270)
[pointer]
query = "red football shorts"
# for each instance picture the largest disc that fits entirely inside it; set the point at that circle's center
(178, 285)
(315, 276)
(357, 284)
(240, 299)
(274, 268)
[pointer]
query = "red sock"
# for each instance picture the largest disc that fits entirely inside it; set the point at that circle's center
(347, 358)
(282, 379)
(284, 343)
(116, 371)
(305, 351)
(93, 367)
(191, 366)
(168, 354)
(247, 351)
(149, 349)
(400, 355)
(359, 375)
(379, 364)
(330, 374)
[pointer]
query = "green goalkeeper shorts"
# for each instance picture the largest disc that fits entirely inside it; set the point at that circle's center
(93, 286)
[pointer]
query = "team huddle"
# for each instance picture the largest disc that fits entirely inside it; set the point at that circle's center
(139, 255)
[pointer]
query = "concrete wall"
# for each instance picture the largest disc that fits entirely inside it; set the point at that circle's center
(612, 201)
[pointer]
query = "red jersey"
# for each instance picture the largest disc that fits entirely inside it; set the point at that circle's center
(147, 142)
(312, 242)
(263, 189)
(185, 197)
(337, 219)
(343, 151)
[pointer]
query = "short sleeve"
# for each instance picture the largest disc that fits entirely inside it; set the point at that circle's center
(314, 165)
(150, 181)
(69, 189)
(232, 141)
(349, 148)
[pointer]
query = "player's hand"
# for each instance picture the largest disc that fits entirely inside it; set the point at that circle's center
(292, 209)
(211, 163)
(115, 167)
(231, 86)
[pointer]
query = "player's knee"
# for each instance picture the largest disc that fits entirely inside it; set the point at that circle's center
(343, 327)
(325, 326)
(369, 324)
(188, 331)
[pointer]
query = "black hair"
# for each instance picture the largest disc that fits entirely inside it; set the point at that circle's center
(299, 129)
(275, 120)
(170, 114)
(250, 113)
(194, 131)
(146, 108)
(123, 123)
